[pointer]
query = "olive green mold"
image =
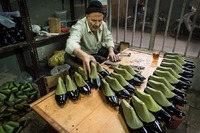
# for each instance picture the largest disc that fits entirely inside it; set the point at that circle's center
(106, 88)
(167, 75)
(162, 80)
(169, 69)
(175, 67)
(115, 85)
(158, 96)
(79, 80)
(60, 89)
(82, 73)
(70, 85)
(178, 58)
(120, 78)
(128, 68)
(161, 87)
(142, 110)
(130, 115)
(149, 102)
(172, 61)
(124, 73)
(99, 67)
(93, 74)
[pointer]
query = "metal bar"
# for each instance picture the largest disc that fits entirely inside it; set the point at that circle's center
(179, 25)
(154, 26)
(191, 32)
(144, 22)
(110, 14)
(126, 15)
(134, 23)
(118, 15)
(30, 40)
(71, 2)
(5, 5)
(167, 25)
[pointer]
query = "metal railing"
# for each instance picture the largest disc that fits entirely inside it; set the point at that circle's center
(158, 40)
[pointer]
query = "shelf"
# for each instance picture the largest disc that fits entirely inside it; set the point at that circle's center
(40, 41)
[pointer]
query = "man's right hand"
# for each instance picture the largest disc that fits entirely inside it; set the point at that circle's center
(86, 63)
(86, 59)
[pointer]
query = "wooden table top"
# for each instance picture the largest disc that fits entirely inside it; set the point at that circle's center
(91, 113)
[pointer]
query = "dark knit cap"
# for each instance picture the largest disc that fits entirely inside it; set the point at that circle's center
(95, 6)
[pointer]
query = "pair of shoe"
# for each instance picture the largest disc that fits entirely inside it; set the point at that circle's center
(168, 85)
(128, 77)
(138, 118)
(131, 89)
(153, 107)
(118, 89)
(178, 70)
(94, 76)
(172, 97)
(180, 59)
(70, 88)
(161, 99)
(110, 96)
(172, 80)
(92, 79)
(102, 71)
(132, 71)
(182, 78)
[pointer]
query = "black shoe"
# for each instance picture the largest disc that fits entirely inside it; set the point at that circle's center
(60, 93)
(153, 107)
(167, 84)
(82, 86)
(177, 69)
(110, 96)
(72, 91)
(123, 82)
(128, 77)
(133, 123)
(132, 72)
(117, 88)
(160, 98)
(102, 71)
(84, 76)
(94, 77)
(169, 94)
(148, 119)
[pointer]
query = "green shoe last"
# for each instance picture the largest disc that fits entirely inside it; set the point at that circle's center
(158, 96)
(128, 68)
(161, 87)
(161, 80)
(142, 110)
(167, 75)
(149, 102)
(120, 78)
(124, 73)
(169, 69)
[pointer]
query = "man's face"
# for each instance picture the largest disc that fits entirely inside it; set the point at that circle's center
(94, 20)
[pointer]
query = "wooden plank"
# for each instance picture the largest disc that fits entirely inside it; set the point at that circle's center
(91, 113)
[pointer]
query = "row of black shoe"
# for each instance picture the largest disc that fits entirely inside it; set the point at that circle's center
(122, 85)
(12, 35)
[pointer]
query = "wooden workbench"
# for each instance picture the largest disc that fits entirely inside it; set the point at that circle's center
(91, 114)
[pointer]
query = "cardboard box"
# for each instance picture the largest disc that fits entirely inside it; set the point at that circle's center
(51, 81)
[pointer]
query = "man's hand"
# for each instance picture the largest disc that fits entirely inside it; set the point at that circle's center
(86, 59)
(112, 56)
(86, 63)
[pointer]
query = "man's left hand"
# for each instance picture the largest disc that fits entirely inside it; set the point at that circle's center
(113, 57)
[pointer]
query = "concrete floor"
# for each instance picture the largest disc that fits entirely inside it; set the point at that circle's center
(192, 109)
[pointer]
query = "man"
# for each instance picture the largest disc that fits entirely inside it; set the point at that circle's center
(90, 39)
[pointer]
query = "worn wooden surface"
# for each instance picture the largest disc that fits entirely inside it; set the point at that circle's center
(91, 113)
